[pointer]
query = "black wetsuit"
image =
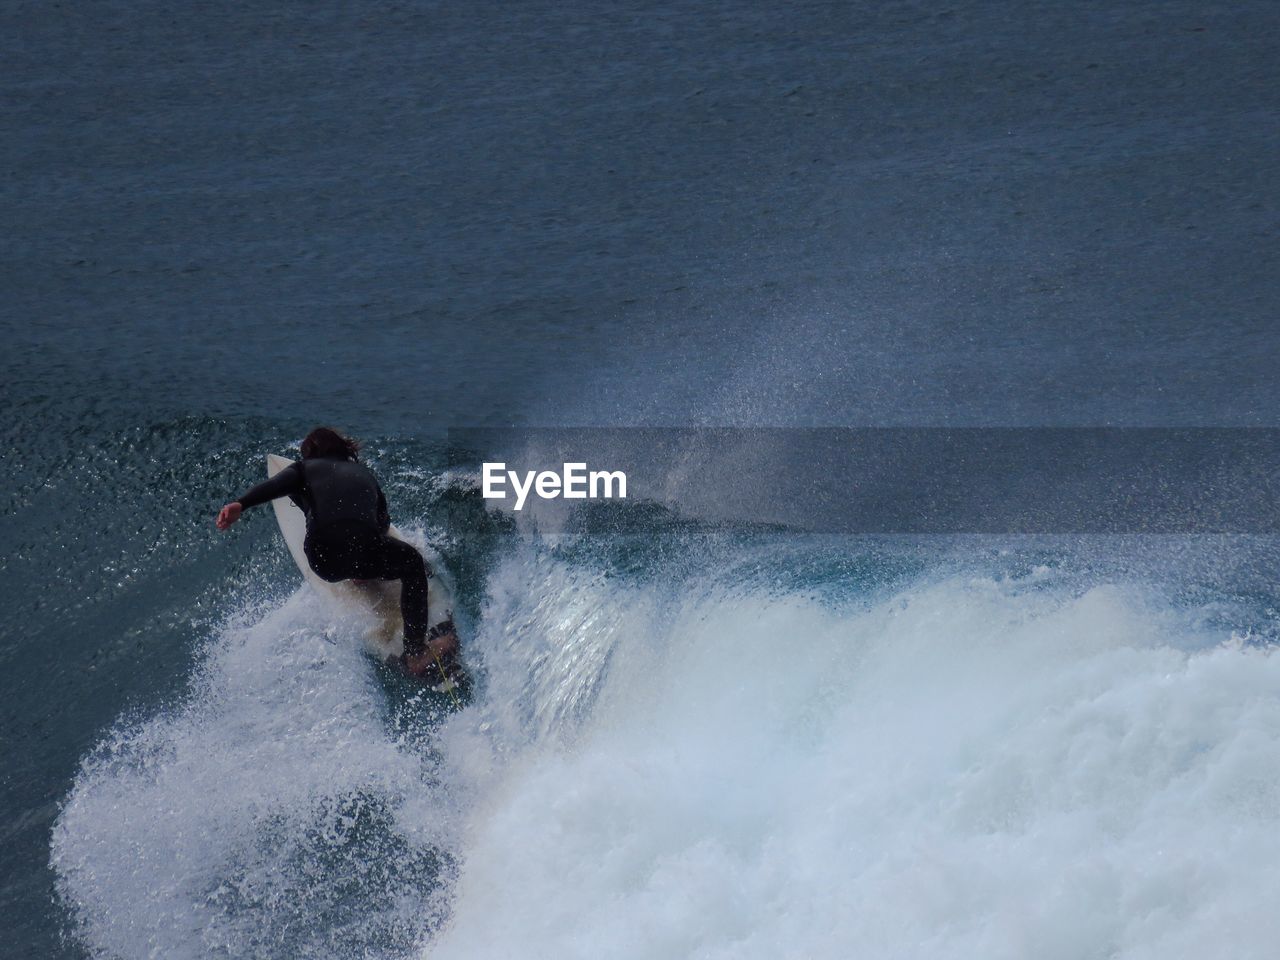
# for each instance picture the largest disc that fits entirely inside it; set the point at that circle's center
(347, 535)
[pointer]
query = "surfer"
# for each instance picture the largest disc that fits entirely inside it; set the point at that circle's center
(347, 539)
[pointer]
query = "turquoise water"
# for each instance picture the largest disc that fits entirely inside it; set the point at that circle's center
(686, 739)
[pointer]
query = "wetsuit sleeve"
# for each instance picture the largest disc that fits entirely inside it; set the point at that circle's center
(384, 518)
(285, 483)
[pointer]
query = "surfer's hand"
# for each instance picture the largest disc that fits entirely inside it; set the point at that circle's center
(228, 515)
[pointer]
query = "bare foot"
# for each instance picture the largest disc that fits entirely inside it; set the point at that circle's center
(444, 645)
(435, 654)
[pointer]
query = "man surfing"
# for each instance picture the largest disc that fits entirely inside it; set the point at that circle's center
(348, 539)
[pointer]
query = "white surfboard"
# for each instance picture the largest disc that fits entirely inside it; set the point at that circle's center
(381, 597)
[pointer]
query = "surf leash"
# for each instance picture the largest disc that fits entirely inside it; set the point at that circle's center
(439, 630)
(448, 683)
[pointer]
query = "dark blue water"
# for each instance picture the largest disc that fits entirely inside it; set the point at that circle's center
(222, 226)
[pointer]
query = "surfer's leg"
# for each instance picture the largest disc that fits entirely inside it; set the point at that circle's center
(398, 560)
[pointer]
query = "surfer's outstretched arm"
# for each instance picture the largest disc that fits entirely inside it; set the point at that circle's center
(288, 481)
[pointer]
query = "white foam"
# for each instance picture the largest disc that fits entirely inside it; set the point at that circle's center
(969, 769)
(277, 812)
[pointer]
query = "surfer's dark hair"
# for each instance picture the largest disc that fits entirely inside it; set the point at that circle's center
(328, 442)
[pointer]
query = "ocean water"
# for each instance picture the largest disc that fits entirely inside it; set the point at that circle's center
(687, 737)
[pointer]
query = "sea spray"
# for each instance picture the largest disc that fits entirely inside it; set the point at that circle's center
(727, 758)
(275, 813)
(967, 768)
